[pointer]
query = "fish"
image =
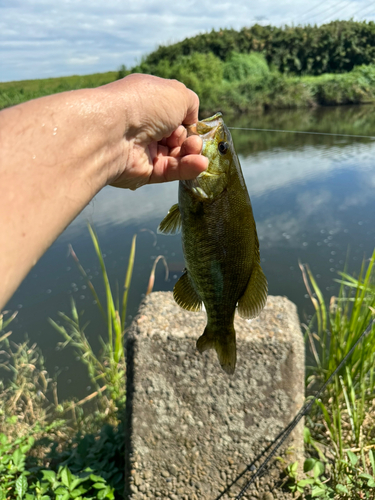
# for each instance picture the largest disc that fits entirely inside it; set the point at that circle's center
(220, 243)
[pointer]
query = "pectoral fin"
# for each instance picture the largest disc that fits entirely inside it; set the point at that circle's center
(185, 294)
(172, 221)
(255, 296)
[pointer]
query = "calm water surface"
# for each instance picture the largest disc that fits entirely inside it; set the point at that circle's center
(313, 200)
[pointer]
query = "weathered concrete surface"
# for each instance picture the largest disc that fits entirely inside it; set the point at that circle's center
(192, 428)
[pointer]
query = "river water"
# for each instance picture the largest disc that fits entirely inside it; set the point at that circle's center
(313, 201)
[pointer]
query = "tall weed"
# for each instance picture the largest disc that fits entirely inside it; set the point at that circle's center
(347, 403)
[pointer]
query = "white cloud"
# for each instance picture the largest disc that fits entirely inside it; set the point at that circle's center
(41, 38)
(85, 59)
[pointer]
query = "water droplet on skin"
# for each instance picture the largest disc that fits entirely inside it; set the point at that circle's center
(34, 157)
(43, 124)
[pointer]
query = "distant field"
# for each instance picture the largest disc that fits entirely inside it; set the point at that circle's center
(12, 93)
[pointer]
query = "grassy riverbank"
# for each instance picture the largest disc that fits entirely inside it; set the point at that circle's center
(242, 84)
(51, 449)
(12, 93)
(254, 68)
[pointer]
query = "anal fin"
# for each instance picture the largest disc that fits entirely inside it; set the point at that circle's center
(171, 223)
(255, 296)
(185, 294)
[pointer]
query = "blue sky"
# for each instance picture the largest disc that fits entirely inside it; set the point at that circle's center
(45, 38)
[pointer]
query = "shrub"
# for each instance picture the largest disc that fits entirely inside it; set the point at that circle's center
(241, 66)
(336, 47)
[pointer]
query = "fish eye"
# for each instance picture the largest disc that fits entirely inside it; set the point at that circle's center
(223, 147)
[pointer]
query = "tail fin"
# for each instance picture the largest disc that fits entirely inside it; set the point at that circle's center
(224, 342)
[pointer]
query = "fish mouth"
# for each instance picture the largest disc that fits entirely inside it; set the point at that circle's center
(207, 129)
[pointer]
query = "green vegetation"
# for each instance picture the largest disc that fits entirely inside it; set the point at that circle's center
(52, 449)
(56, 450)
(12, 93)
(255, 68)
(340, 432)
(336, 47)
(245, 82)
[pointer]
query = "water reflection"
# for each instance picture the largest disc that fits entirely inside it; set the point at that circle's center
(312, 200)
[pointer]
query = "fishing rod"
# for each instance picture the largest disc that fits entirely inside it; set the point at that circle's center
(283, 436)
(302, 132)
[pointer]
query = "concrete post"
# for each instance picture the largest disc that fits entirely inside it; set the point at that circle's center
(191, 427)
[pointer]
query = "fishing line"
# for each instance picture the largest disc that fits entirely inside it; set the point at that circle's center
(302, 132)
(283, 436)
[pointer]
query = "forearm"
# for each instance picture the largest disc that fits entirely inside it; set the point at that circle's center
(51, 166)
(57, 152)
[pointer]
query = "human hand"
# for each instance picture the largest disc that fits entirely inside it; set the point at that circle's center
(156, 147)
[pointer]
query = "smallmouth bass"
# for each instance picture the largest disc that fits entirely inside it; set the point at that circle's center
(220, 243)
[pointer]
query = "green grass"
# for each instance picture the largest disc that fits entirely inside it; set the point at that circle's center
(340, 431)
(56, 450)
(52, 449)
(12, 93)
(241, 83)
